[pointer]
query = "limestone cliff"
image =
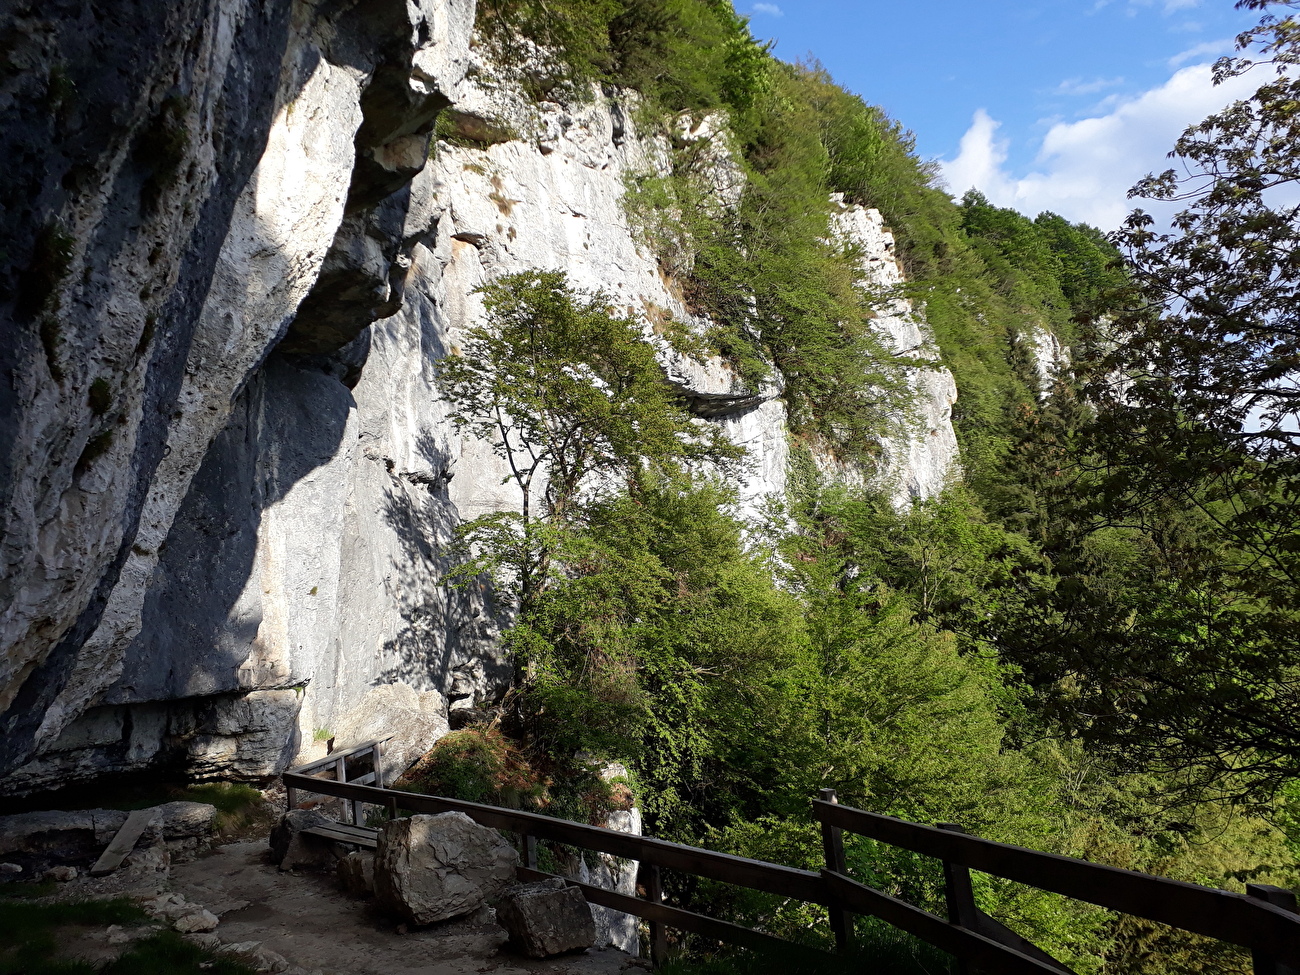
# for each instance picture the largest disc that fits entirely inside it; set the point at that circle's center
(227, 475)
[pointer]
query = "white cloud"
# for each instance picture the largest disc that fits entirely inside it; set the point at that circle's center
(1077, 86)
(770, 9)
(1206, 49)
(1084, 169)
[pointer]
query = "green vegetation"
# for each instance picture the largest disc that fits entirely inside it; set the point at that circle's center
(31, 933)
(1080, 649)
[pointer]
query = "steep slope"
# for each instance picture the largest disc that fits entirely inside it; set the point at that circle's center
(278, 551)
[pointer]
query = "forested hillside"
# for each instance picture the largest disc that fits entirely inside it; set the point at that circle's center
(1075, 648)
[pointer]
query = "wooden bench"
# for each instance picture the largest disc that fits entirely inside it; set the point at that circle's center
(346, 833)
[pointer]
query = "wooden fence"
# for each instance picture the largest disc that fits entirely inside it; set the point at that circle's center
(1263, 920)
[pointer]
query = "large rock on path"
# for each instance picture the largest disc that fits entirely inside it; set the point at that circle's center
(547, 918)
(434, 868)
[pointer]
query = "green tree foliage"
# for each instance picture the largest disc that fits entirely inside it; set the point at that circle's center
(1169, 515)
(1067, 653)
(573, 399)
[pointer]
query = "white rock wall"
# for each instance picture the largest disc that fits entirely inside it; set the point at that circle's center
(921, 458)
(305, 566)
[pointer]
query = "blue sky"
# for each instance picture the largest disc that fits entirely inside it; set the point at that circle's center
(1043, 105)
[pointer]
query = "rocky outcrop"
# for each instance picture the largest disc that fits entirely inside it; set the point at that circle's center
(176, 174)
(229, 480)
(920, 455)
(435, 868)
(409, 723)
(1050, 358)
(38, 841)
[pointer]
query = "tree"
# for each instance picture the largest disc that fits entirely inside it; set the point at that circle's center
(1215, 339)
(1176, 639)
(574, 400)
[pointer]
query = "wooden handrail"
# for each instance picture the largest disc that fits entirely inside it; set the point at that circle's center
(771, 878)
(1220, 914)
(1272, 932)
(674, 917)
(334, 756)
(952, 938)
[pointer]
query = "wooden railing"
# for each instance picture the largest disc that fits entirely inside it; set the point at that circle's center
(1263, 920)
(369, 755)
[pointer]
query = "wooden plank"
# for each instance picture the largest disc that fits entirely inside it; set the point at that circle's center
(343, 833)
(995, 930)
(675, 917)
(123, 843)
(1221, 914)
(833, 852)
(329, 760)
(754, 874)
(654, 894)
(944, 935)
(1263, 961)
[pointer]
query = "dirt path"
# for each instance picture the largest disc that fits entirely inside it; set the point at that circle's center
(308, 920)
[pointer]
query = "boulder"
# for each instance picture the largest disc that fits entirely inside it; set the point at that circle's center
(292, 848)
(357, 874)
(414, 721)
(434, 868)
(546, 918)
(188, 820)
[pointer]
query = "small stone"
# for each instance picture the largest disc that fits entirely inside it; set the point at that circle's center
(118, 935)
(61, 874)
(10, 868)
(198, 922)
(266, 960)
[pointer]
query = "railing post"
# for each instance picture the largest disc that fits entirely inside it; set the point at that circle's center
(960, 897)
(378, 762)
(530, 851)
(341, 775)
(833, 849)
(1266, 963)
(654, 893)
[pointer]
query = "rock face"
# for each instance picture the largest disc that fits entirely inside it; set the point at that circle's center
(435, 868)
(414, 722)
(546, 918)
(227, 480)
(921, 456)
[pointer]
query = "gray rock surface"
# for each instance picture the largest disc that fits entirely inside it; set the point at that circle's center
(435, 868)
(412, 722)
(357, 873)
(166, 221)
(37, 841)
(292, 849)
(546, 918)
